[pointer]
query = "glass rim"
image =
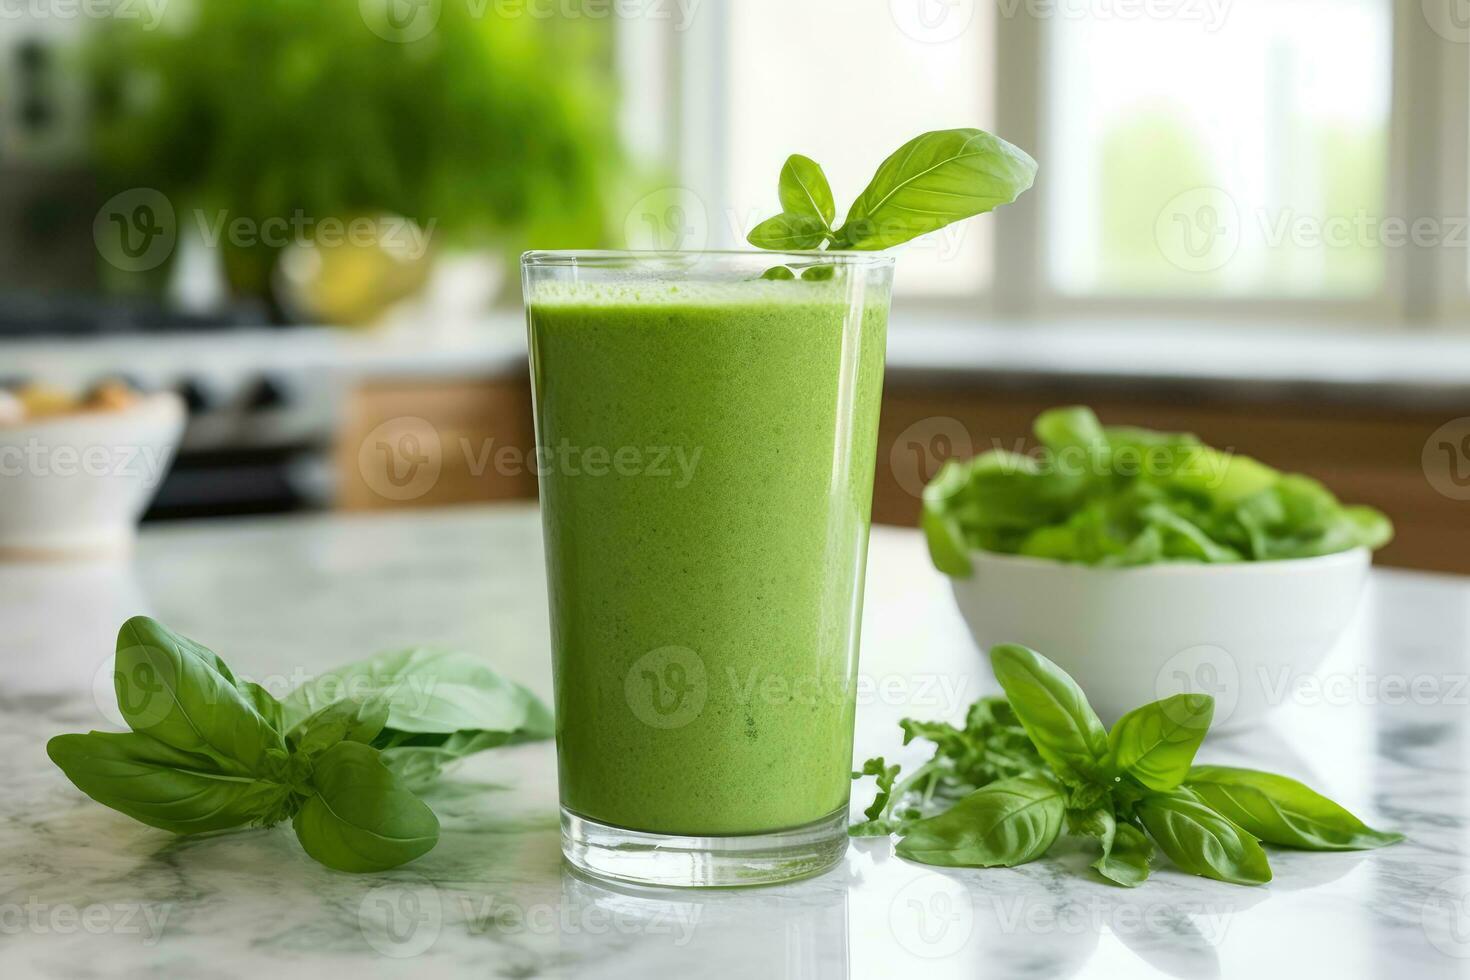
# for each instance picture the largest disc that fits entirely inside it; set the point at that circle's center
(568, 257)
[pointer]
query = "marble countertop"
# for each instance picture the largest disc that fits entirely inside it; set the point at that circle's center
(85, 892)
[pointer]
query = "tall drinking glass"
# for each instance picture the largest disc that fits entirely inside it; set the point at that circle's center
(705, 449)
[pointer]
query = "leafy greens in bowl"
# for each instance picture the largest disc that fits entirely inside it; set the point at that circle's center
(1120, 496)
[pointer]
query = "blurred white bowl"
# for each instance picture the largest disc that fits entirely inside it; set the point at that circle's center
(1241, 632)
(76, 484)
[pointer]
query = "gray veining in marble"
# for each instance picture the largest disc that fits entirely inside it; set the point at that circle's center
(85, 892)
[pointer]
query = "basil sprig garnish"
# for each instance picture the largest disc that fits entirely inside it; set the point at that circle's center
(1036, 763)
(340, 757)
(931, 181)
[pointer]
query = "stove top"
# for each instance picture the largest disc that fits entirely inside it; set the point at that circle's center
(47, 315)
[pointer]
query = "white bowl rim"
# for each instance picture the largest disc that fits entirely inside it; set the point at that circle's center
(1352, 556)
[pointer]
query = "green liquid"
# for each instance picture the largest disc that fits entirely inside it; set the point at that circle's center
(706, 492)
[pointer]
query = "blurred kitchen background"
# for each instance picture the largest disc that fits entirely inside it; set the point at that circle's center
(303, 217)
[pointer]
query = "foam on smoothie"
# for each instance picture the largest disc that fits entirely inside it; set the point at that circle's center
(655, 292)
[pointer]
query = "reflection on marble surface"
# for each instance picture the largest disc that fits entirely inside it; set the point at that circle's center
(86, 892)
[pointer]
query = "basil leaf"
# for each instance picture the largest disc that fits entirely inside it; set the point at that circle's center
(262, 701)
(1094, 822)
(934, 180)
(947, 546)
(1156, 743)
(419, 760)
(1282, 811)
(1123, 861)
(1126, 850)
(1201, 841)
(778, 272)
(1054, 712)
(804, 190)
(819, 273)
(346, 720)
(180, 693)
(157, 784)
(362, 818)
(1127, 861)
(1007, 823)
(428, 691)
(788, 232)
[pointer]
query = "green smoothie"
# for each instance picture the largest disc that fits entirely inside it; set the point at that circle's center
(706, 480)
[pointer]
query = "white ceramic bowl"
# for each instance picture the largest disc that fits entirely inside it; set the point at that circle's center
(77, 484)
(1132, 635)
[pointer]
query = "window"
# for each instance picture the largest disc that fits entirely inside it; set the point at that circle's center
(849, 105)
(1242, 157)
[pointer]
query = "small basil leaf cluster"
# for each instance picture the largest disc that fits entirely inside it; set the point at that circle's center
(1130, 789)
(931, 181)
(340, 757)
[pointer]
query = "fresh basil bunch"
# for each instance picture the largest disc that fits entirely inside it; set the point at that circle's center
(341, 757)
(931, 181)
(1000, 791)
(1119, 495)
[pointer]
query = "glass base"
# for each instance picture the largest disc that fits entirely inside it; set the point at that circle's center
(673, 861)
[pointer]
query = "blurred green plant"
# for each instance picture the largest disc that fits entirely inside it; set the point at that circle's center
(500, 131)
